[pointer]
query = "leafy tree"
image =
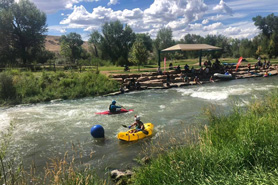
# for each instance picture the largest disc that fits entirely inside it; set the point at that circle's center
(95, 40)
(45, 56)
(192, 39)
(146, 39)
(268, 24)
(29, 26)
(139, 53)
(6, 35)
(71, 46)
(164, 39)
(116, 42)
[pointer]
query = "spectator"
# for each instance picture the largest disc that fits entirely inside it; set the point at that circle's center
(171, 66)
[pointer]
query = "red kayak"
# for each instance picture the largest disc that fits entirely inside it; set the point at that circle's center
(117, 112)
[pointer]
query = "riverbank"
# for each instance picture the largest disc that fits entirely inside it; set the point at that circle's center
(239, 148)
(27, 87)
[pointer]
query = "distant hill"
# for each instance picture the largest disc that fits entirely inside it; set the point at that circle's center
(52, 44)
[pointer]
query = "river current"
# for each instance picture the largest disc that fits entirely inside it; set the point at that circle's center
(46, 130)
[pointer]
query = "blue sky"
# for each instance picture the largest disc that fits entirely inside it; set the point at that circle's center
(232, 18)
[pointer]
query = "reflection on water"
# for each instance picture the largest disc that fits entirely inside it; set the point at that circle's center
(46, 130)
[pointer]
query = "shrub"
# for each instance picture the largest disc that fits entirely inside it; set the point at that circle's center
(7, 88)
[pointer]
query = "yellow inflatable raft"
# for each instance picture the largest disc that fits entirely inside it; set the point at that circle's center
(127, 136)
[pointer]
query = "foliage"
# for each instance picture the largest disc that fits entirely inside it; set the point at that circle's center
(24, 26)
(146, 39)
(71, 46)
(268, 24)
(95, 40)
(7, 89)
(60, 85)
(239, 148)
(116, 42)
(268, 38)
(139, 53)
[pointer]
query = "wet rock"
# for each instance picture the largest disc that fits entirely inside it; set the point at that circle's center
(146, 160)
(116, 175)
(56, 100)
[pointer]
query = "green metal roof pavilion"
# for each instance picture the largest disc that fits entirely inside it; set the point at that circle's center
(190, 47)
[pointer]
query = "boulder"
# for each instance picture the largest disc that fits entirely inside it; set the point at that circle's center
(161, 76)
(152, 84)
(152, 77)
(118, 79)
(116, 175)
(143, 78)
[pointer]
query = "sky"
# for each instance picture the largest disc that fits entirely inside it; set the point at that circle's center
(231, 18)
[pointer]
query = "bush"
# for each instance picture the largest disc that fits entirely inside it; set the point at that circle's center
(7, 88)
(27, 88)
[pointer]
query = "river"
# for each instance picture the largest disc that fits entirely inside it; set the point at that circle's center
(47, 130)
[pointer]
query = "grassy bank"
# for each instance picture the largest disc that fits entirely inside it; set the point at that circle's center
(27, 87)
(241, 148)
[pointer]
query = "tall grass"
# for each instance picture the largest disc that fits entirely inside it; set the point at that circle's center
(239, 148)
(62, 171)
(24, 87)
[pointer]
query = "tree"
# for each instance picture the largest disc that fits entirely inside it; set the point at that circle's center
(139, 53)
(268, 38)
(268, 24)
(116, 42)
(6, 31)
(164, 39)
(146, 39)
(95, 40)
(29, 26)
(71, 46)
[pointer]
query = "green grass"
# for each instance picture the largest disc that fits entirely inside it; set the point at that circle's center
(29, 87)
(241, 148)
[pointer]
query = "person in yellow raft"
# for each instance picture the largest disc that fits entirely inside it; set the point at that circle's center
(139, 125)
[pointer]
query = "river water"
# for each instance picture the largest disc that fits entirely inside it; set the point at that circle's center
(46, 130)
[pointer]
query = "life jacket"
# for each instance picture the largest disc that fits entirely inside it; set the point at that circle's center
(110, 109)
(138, 126)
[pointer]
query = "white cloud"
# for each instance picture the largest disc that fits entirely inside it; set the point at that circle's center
(176, 14)
(223, 7)
(213, 26)
(112, 2)
(63, 31)
(52, 6)
(182, 16)
(205, 21)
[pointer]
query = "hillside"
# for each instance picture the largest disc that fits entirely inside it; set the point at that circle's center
(52, 44)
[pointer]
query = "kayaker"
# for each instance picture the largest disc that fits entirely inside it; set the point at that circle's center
(139, 125)
(113, 107)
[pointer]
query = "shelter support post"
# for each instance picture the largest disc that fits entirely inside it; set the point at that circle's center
(200, 58)
(158, 52)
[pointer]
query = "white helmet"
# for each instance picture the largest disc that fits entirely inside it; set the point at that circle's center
(137, 118)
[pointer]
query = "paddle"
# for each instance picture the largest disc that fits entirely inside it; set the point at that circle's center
(122, 107)
(144, 131)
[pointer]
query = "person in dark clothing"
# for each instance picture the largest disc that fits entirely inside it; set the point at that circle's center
(178, 69)
(186, 68)
(137, 85)
(113, 107)
(170, 66)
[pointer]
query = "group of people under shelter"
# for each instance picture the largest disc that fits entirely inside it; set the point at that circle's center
(204, 72)
(196, 75)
